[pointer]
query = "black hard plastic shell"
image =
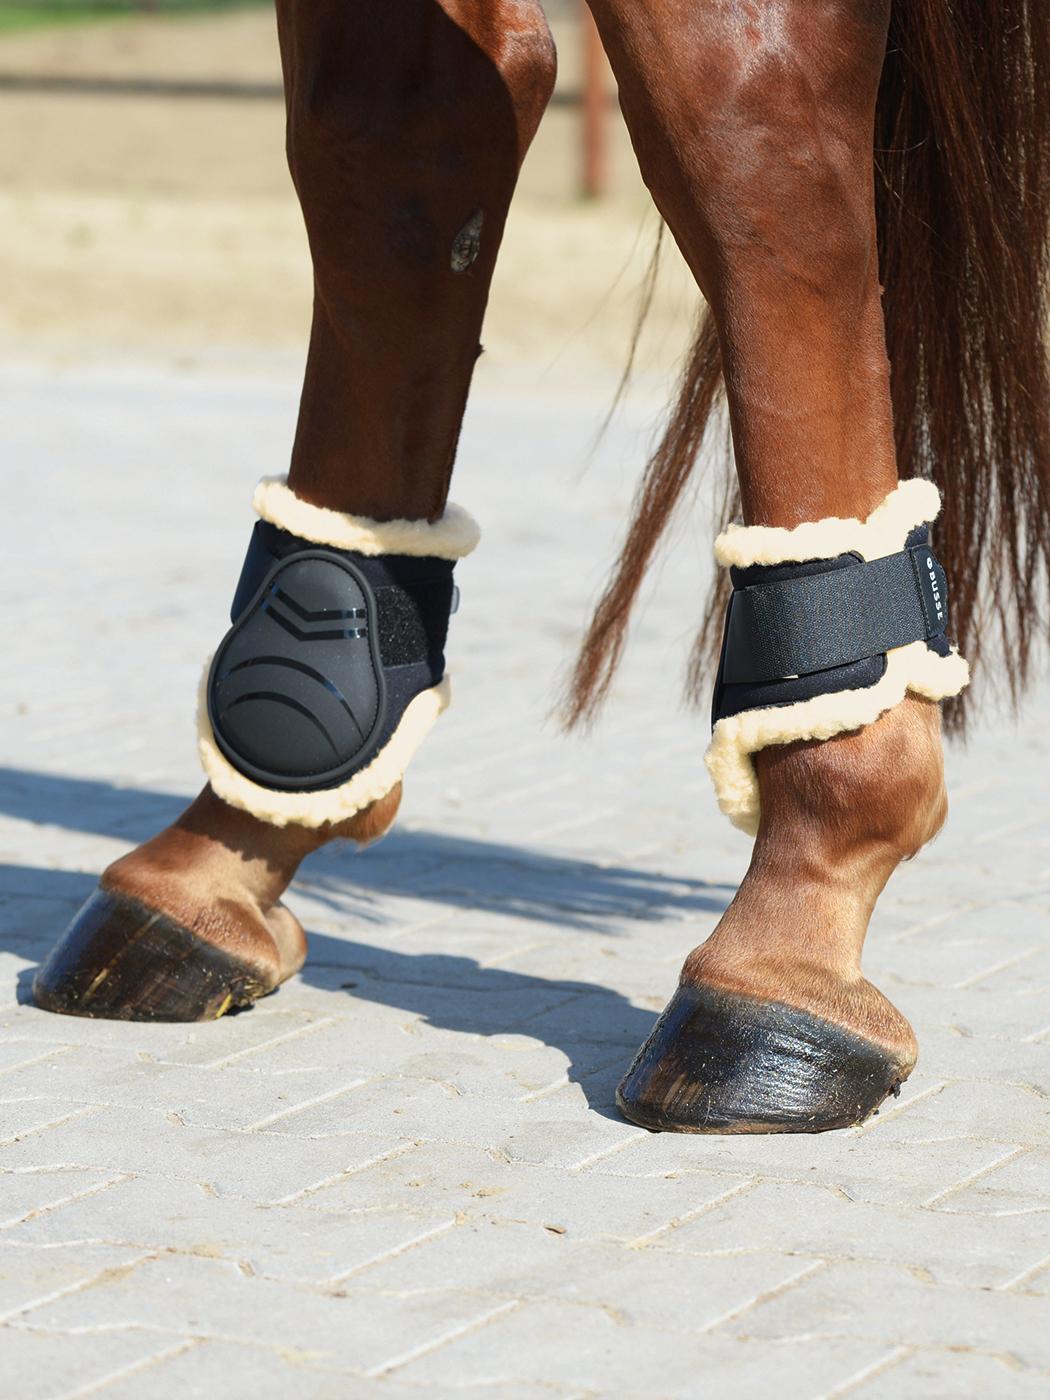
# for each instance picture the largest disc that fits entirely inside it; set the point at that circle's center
(296, 692)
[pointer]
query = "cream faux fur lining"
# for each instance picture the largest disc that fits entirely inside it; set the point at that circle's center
(912, 503)
(451, 537)
(913, 667)
(315, 809)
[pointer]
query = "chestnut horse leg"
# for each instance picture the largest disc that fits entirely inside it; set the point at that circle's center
(753, 124)
(407, 125)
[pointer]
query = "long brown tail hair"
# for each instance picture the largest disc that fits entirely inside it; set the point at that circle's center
(962, 150)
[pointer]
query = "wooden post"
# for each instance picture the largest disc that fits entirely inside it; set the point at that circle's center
(595, 109)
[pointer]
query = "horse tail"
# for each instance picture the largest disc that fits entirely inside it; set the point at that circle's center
(962, 156)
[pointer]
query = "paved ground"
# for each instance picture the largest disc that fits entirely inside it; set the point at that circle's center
(404, 1174)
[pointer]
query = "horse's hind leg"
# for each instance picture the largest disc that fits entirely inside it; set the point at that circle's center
(407, 124)
(753, 127)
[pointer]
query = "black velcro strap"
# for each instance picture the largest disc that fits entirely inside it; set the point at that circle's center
(798, 625)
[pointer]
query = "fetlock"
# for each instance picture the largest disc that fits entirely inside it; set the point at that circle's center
(837, 818)
(857, 803)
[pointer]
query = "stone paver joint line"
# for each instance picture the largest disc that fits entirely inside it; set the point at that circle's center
(860, 1378)
(138, 1369)
(454, 1334)
(1011, 1156)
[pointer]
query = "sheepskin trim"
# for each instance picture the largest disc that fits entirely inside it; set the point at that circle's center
(885, 531)
(451, 537)
(331, 804)
(913, 667)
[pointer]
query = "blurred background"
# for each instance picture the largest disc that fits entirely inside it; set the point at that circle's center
(145, 207)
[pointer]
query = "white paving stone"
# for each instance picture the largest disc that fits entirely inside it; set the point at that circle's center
(56, 1365)
(405, 1174)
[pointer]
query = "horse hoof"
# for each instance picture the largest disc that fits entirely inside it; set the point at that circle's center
(718, 1062)
(123, 961)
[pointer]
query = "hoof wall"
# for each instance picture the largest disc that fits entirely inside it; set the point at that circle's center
(717, 1062)
(120, 960)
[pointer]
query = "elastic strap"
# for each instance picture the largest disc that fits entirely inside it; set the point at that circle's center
(799, 625)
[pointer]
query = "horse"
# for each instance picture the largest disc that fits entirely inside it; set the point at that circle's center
(861, 190)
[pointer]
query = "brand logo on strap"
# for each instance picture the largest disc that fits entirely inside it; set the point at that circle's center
(938, 601)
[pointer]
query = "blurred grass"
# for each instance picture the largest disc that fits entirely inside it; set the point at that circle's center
(35, 13)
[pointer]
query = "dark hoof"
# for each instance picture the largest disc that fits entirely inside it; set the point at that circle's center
(717, 1062)
(120, 960)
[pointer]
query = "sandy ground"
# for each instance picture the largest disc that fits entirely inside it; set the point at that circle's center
(167, 225)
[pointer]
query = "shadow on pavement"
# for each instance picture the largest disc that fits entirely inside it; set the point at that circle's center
(596, 1028)
(460, 872)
